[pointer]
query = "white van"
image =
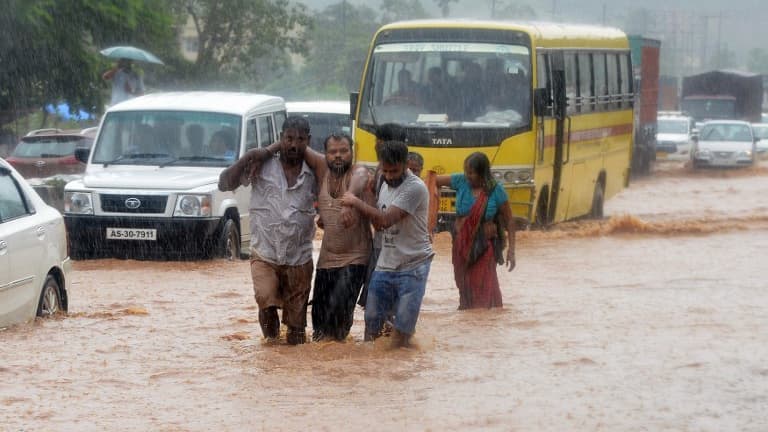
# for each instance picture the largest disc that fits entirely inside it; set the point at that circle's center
(151, 184)
(325, 118)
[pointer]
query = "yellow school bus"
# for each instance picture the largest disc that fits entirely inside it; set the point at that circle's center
(550, 105)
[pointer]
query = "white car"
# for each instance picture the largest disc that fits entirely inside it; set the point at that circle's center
(761, 134)
(724, 143)
(33, 252)
(673, 137)
(325, 118)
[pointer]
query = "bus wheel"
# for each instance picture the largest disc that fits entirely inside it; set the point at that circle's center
(598, 199)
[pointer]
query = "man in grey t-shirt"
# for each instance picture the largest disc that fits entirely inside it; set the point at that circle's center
(400, 278)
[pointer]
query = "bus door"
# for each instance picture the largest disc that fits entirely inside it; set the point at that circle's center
(558, 201)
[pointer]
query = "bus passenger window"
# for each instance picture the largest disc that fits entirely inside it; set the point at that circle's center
(626, 81)
(613, 80)
(585, 82)
(571, 83)
(601, 85)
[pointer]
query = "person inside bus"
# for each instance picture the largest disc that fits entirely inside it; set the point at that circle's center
(470, 99)
(436, 92)
(407, 90)
(483, 221)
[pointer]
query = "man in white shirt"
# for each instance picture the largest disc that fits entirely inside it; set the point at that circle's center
(126, 82)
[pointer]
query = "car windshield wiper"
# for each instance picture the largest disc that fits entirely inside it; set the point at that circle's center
(136, 156)
(193, 158)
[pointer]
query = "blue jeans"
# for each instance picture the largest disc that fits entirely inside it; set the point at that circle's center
(400, 292)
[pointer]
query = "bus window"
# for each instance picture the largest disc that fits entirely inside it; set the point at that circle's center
(585, 83)
(571, 82)
(612, 74)
(626, 81)
(543, 79)
(601, 84)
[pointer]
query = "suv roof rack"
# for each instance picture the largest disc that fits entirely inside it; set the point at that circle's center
(44, 131)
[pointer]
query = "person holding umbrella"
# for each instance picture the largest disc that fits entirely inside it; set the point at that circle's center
(126, 82)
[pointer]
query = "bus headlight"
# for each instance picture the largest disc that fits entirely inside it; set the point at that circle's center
(78, 203)
(513, 176)
(193, 206)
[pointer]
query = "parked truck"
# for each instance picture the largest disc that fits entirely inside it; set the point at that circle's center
(645, 64)
(723, 95)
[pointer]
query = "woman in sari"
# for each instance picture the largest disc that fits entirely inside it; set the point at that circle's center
(483, 221)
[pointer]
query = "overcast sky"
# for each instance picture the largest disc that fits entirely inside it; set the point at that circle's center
(739, 24)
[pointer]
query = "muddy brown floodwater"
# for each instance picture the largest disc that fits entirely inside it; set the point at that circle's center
(653, 319)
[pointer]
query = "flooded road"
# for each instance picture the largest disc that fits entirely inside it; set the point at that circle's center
(653, 319)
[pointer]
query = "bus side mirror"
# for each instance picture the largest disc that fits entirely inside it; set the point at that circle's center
(82, 154)
(353, 97)
(540, 101)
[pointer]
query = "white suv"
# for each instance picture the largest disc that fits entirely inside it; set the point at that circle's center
(151, 183)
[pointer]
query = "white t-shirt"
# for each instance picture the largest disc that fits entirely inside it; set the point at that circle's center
(119, 81)
(405, 244)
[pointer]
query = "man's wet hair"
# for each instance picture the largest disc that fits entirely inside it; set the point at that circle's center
(413, 156)
(393, 153)
(390, 132)
(337, 137)
(296, 122)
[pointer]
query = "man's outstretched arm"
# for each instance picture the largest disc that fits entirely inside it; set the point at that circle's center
(230, 178)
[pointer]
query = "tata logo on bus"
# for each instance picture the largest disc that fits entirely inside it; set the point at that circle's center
(442, 141)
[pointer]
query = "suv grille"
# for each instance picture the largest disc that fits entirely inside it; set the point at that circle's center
(147, 203)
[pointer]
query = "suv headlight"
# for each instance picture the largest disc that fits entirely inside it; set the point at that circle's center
(746, 153)
(193, 206)
(78, 203)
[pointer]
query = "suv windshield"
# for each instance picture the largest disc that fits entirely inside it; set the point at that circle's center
(440, 84)
(162, 137)
(325, 124)
(676, 126)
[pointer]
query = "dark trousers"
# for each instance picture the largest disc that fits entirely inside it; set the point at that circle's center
(333, 300)
(368, 273)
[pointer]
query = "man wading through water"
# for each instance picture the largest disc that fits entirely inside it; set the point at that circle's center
(341, 266)
(400, 278)
(282, 218)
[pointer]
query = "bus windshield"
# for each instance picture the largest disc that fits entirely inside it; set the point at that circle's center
(455, 84)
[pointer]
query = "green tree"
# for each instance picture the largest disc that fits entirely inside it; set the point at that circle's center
(757, 61)
(49, 49)
(242, 43)
(338, 46)
(398, 10)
